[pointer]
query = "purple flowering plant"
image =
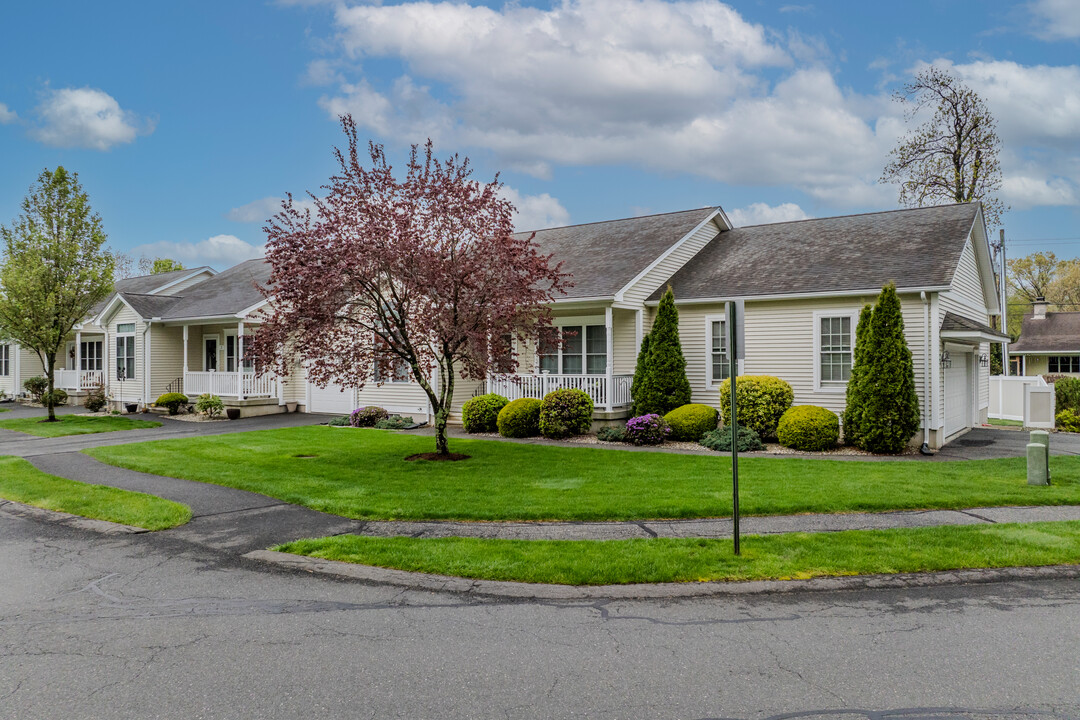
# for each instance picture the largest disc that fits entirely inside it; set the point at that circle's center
(367, 416)
(648, 429)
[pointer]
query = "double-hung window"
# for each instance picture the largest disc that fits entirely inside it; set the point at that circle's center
(90, 355)
(835, 343)
(574, 350)
(125, 351)
(5, 360)
(717, 360)
(1064, 364)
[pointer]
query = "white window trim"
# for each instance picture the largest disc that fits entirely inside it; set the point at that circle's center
(709, 320)
(818, 315)
(5, 359)
(85, 357)
(584, 322)
(134, 353)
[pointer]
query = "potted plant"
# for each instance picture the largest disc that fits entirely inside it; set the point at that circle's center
(290, 407)
(132, 408)
(233, 413)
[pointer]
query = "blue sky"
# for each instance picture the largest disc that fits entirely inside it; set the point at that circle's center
(185, 121)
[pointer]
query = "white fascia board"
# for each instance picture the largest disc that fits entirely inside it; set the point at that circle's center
(1044, 352)
(571, 302)
(799, 296)
(246, 311)
(981, 246)
(199, 318)
(679, 243)
(979, 335)
(185, 278)
(108, 311)
(724, 217)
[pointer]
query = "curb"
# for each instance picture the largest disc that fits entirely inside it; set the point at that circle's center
(537, 591)
(55, 517)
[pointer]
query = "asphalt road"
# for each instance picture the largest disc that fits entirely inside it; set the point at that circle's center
(150, 627)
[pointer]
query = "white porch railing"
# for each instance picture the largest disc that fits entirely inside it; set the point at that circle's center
(537, 386)
(228, 384)
(78, 379)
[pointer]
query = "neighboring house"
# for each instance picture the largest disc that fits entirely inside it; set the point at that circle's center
(798, 287)
(1049, 342)
(81, 364)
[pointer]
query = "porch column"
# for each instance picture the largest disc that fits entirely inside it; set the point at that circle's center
(240, 360)
(610, 353)
(78, 360)
(184, 379)
(639, 327)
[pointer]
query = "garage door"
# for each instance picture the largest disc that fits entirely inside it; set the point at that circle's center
(332, 400)
(958, 394)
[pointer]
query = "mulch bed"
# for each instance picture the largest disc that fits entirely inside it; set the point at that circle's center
(448, 457)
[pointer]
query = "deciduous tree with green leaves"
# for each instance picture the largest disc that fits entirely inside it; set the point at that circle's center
(953, 155)
(664, 385)
(158, 265)
(54, 268)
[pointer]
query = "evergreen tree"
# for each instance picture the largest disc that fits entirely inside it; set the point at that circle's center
(891, 414)
(636, 384)
(856, 387)
(664, 384)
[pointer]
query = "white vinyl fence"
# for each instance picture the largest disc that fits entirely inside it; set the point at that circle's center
(1019, 397)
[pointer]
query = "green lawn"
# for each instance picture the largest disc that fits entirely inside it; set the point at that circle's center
(75, 425)
(22, 482)
(773, 557)
(362, 474)
(1005, 423)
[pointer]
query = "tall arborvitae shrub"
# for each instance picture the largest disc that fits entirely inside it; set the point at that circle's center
(891, 414)
(637, 383)
(856, 387)
(664, 386)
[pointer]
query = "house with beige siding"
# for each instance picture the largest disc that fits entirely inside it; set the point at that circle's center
(1049, 343)
(797, 287)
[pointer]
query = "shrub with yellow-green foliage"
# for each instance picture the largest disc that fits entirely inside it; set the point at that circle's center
(520, 418)
(172, 402)
(762, 400)
(809, 427)
(691, 422)
(1068, 421)
(481, 413)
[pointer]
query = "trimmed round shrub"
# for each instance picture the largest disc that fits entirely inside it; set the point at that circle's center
(762, 400)
(209, 405)
(720, 440)
(564, 413)
(690, 422)
(1068, 421)
(646, 430)
(611, 434)
(367, 416)
(481, 413)
(95, 399)
(56, 398)
(520, 418)
(809, 427)
(172, 401)
(36, 386)
(395, 422)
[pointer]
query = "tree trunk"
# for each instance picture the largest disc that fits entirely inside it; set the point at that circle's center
(442, 447)
(50, 362)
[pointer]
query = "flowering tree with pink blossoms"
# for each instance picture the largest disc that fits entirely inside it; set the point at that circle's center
(385, 273)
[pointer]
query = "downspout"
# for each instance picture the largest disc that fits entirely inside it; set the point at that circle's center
(925, 449)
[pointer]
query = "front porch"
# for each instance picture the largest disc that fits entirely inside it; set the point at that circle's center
(241, 385)
(608, 392)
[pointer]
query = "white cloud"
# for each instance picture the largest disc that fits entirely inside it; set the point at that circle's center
(86, 117)
(536, 212)
(220, 251)
(1056, 19)
(1023, 192)
(7, 116)
(763, 213)
(263, 209)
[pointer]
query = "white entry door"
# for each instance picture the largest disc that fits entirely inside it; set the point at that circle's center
(958, 398)
(332, 400)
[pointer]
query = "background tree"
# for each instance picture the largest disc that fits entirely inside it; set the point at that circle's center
(664, 384)
(158, 266)
(890, 414)
(855, 405)
(54, 268)
(951, 157)
(422, 271)
(1033, 276)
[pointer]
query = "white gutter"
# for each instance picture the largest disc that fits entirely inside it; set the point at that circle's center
(925, 449)
(799, 296)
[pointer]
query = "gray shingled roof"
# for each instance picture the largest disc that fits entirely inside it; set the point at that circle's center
(143, 284)
(1057, 332)
(914, 248)
(604, 257)
(958, 323)
(149, 306)
(226, 293)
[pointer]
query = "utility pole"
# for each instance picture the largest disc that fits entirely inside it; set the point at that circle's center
(1004, 307)
(733, 371)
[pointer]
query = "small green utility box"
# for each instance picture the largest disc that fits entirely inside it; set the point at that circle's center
(1038, 458)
